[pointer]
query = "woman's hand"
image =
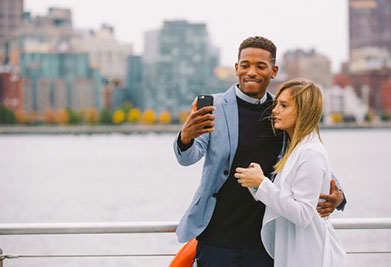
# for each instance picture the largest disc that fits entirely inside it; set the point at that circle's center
(251, 176)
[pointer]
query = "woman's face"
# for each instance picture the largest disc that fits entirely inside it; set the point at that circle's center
(285, 113)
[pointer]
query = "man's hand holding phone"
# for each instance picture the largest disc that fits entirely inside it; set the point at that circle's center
(200, 120)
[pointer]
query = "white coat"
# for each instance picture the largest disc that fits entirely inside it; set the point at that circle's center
(293, 233)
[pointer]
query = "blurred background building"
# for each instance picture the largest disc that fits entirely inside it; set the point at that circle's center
(178, 64)
(369, 24)
(308, 64)
(58, 66)
(11, 19)
(369, 66)
(47, 64)
(106, 53)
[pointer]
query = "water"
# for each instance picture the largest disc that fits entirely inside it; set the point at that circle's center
(114, 178)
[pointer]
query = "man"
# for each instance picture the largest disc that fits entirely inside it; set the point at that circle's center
(223, 216)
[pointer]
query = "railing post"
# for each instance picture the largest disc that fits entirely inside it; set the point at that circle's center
(1, 257)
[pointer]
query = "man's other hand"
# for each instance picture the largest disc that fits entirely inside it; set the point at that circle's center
(332, 201)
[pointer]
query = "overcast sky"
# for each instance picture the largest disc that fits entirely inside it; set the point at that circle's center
(290, 24)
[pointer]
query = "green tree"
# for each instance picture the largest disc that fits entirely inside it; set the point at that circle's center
(7, 116)
(126, 107)
(105, 116)
(74, 118)
(386, 115)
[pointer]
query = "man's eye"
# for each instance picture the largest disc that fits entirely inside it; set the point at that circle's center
(261, 67)
(244, 66)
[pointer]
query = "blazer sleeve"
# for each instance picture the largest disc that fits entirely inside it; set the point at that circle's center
(341, 206)
(194, 153)
(297, 203)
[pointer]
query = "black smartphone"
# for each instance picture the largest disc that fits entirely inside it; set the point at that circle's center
(204, 101)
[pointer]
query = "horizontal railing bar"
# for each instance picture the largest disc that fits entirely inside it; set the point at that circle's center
(152, 227)
(87, 228)
(89, 255)
(143, 255)
(361, 223)
(367, 252)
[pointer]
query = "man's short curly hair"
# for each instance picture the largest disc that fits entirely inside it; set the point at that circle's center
(259, 42)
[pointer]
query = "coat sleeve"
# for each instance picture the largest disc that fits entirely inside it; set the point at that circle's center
(298, 202)
(341, 206)
(194, 153)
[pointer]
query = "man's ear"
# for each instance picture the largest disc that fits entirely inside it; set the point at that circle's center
(275, 70)
(236, 69)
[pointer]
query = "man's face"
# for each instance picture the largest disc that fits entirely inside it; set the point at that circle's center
(254, 71)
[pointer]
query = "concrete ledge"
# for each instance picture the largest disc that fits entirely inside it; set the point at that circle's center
(89, 129)
(143, 128)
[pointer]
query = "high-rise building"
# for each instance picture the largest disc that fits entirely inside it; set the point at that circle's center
(179, 61)
(56, 73)
(309, 65)
(106, 53)
(11, 17)
(370, 50)
(369, 24)
(54, 81)
(133, 91)
(42, 34)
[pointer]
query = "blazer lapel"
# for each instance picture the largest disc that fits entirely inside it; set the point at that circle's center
(230, 108)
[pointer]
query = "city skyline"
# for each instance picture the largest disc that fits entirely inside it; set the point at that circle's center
(300, 24)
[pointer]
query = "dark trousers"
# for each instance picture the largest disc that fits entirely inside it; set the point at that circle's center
(212, 256)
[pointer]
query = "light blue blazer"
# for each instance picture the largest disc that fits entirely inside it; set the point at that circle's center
(219, 148)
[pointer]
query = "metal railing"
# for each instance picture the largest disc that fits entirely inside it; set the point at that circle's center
(149, 227)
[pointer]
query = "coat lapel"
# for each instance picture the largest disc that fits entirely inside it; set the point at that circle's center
(230, 108)
(293, 158)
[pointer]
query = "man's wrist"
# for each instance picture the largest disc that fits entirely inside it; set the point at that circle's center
(184, 140)
(182, 146)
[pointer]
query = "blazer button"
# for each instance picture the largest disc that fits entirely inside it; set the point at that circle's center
(214, 195)
(225, 172)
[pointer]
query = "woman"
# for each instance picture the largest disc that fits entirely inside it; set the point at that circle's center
(293, 233)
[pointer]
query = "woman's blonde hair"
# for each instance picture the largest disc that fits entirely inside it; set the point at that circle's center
(308, 101)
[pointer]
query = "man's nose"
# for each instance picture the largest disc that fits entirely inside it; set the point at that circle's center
(252, 71)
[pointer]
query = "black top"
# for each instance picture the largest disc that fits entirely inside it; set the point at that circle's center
(237, 219)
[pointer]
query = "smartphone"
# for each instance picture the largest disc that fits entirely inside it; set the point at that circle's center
(204, 101)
